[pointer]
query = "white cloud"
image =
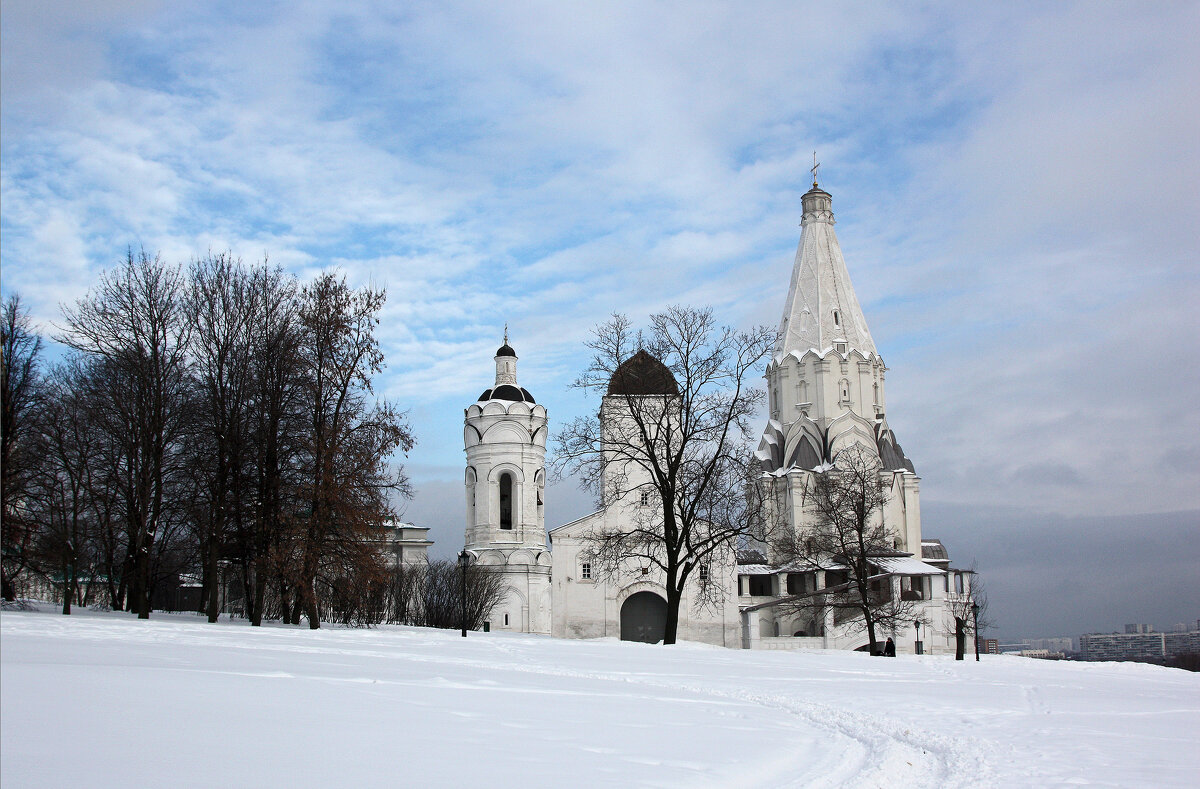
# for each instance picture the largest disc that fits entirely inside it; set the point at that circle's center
(1015, 189)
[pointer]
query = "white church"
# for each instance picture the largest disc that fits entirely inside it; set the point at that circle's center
(826, 393)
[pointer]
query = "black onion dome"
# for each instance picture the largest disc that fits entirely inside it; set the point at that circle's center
(508, 392)
(506, 350)
(642, 374)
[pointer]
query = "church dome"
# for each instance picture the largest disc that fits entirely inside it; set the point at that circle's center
(642, 374)
(506, 350)
(508, 392)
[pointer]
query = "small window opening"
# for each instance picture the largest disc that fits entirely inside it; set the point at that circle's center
(645, 498)
(840, 347)
(704, 572)
(837, 318)
(506, 518)
(760, 585)
(585, 571)
(645, 571)
(506, 620)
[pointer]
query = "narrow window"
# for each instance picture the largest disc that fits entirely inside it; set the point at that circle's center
(506, 620)
(585, 571)
(958, 584)
(837, 318)
(704, 572)
(645, 498)
(506, 501)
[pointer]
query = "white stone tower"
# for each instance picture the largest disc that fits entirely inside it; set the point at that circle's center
(826, 380)
(505, 440)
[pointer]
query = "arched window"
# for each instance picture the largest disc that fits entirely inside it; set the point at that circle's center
(506, 502)
(470, 481)
(837, 318)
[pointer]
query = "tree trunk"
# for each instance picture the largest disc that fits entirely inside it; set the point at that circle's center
(143, 583)
(67, 590)
(260, 593)
(214, 573)
(960, 638)
(671, 630)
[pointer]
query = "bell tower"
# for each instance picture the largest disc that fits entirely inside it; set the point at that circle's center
(504, 436)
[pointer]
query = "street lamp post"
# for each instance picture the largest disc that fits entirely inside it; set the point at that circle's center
(462, 571)
(975, 627)
(917, 625)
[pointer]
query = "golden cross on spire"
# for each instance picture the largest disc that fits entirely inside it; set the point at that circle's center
(816, 164)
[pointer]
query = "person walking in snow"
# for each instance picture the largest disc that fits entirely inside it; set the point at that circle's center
(889, 649)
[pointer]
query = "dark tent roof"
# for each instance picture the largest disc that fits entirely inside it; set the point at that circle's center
(891, 453)
(804, 456)
(508, 392)
(642, 374)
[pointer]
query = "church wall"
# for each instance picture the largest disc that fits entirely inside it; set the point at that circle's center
(591, 608)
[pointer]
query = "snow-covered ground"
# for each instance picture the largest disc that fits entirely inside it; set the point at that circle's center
(107, 700)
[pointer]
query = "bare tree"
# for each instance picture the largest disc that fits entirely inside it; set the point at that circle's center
(442, 598)
(965, 611)
(276, 422)
(20, 348)
(850, 542)
(61, 496)
(674, 424)
(221, 308)
(348, 441)
(135, 321)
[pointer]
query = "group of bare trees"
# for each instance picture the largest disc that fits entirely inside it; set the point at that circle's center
(217, 420)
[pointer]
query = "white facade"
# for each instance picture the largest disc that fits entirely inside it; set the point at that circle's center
(505, 439)
(825, 387)
(826, 393)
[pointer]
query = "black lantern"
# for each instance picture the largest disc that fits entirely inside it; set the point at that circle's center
(463, 560)
(975, 626)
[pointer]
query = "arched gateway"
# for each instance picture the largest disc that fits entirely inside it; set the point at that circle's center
(644, 618)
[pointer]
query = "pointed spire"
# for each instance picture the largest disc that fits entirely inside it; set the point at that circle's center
(821, 309)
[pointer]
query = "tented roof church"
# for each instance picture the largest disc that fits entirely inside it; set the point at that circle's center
(826, 394)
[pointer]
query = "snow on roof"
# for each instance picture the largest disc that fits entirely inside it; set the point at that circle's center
(756, 569)
(907, 565)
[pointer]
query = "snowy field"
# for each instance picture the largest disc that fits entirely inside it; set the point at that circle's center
(107, 700)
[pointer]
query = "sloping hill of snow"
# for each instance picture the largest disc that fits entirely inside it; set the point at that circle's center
(107, 700)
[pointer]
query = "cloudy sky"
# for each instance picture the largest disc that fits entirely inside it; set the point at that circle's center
(1015, 187)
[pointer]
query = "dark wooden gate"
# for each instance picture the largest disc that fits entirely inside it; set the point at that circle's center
(644, 618)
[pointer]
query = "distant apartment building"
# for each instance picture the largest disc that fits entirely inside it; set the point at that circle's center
(1053, 644)
(989, 646)
(1182, 643)
(1138, 642)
